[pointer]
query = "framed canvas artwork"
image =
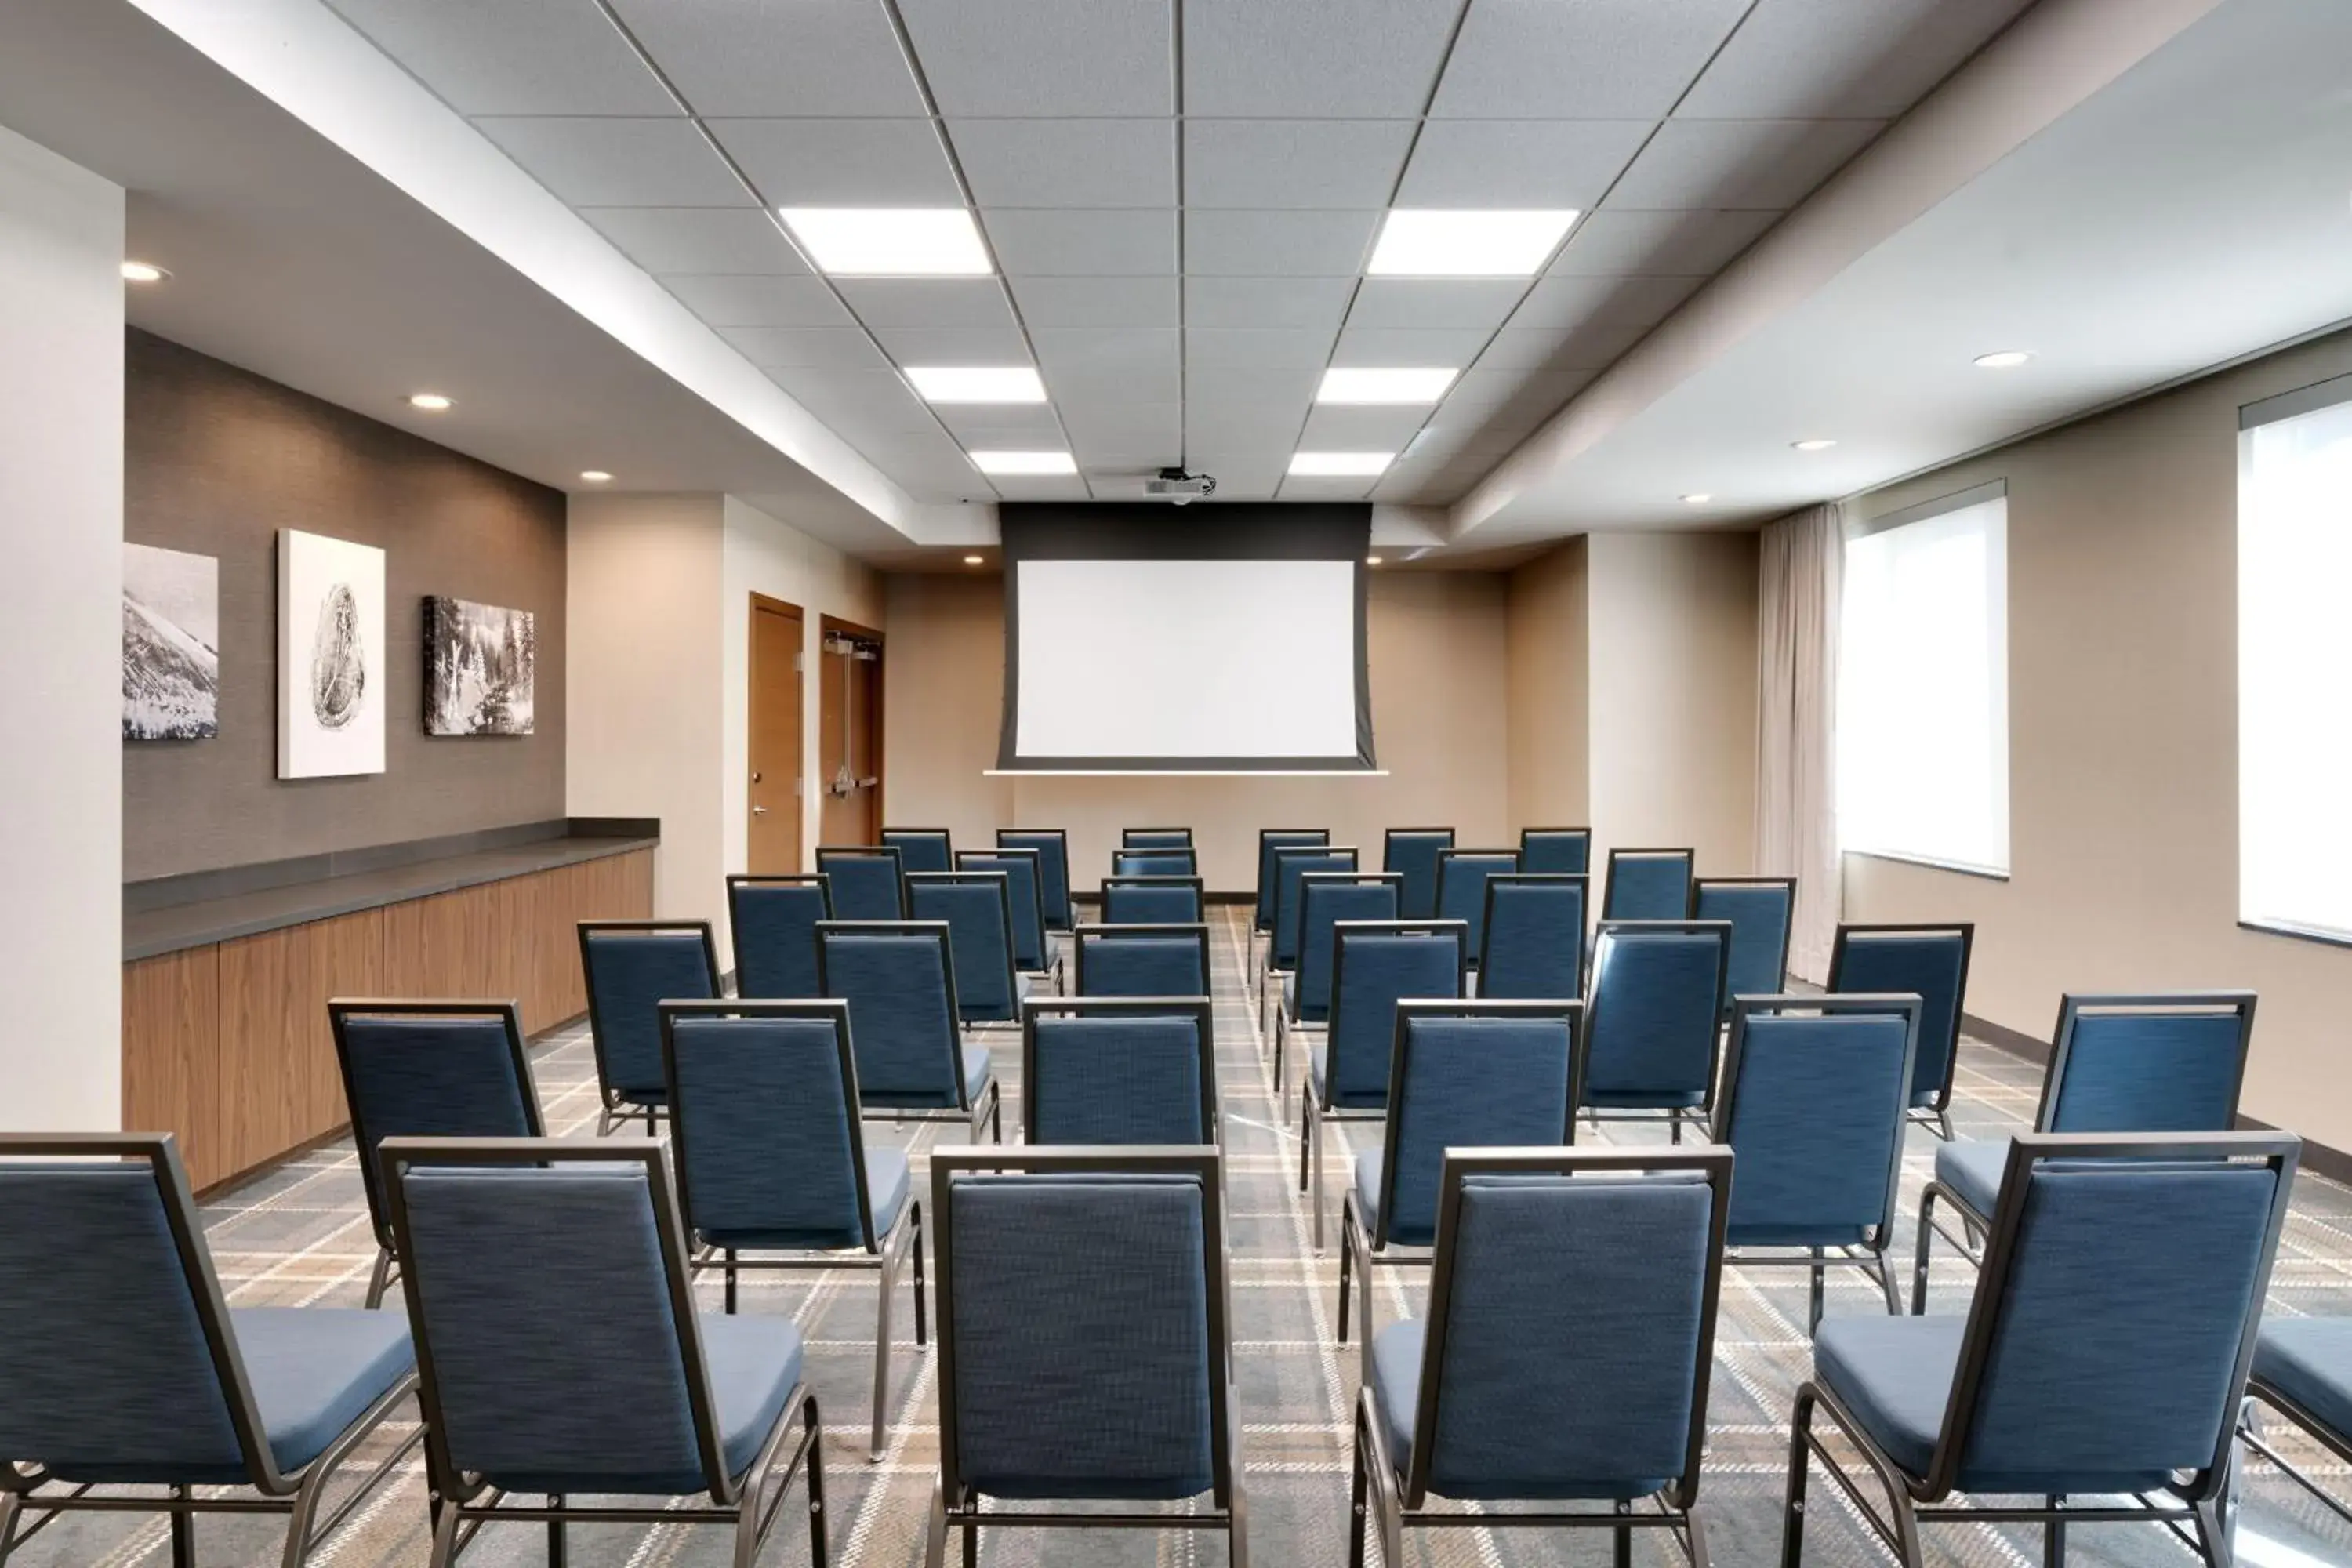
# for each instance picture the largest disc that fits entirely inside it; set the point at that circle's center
(171, 645)
(479, 662)
(330, 696)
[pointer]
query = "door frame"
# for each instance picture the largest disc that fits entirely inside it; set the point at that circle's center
(758, 602)
(831, 624)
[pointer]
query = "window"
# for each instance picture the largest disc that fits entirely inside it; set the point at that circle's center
(2294, 747)
(1923, 685)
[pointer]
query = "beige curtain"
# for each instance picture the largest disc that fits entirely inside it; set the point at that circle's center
(1796, 728)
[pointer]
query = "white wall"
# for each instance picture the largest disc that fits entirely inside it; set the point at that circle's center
(61, 640)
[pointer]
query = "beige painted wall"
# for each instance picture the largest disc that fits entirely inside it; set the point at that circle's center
(1436, 652)
(1550, 714)
(2123, 742)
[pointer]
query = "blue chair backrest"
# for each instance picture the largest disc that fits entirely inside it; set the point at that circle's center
(1411, 853)
(2148, 1066)
(1373, 970)
(774, 921)
(631, 972)
(1648, 885)
(1053, 847)
(426, 1073)
(902, 1018)
(1119, 1077)
(1759, 910)
(1569, 1358)
(542, 1301)
(865, 884)
(1657, 1004)
(1461, 885)
(1151, 960)
(1269, 839)
(1533, 937)
(1325, 899)
(1078, 1311)
(2112, 1324)
(1289, 867)
(979, 918)
(1155, 838)
(1155, 863)
(1151, 900)
(920, 849)
(764, 1130)
(1556, 851)
(1931, 963)
(1814, 1106)
(1497, 1079)
(1021, 892)
(107, 1371)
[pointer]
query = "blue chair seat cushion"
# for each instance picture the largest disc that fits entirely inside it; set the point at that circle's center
(977, 1070)
(1369, 1169)
(2309, 1361)
(315, 1370)
(886, 1198)
(1317, 1064)
(1396, 1403)
(1311, 1015)
(1644, 1099)
(1972, 1169)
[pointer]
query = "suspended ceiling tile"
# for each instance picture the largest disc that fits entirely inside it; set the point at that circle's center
(928, 301)
(829, 348)
(1435, 302)
(1313, 57)
(841, 163)
(954, 345)
(610, 163)
(780, 57)
(526, 57)
(1277, 244)
(1693, 244)
(1256, 348)
(1340, 428)
(1310, 303)
(1739, 162)
(1293, 163)
(1068, 162)
(1572, 301)
(756, 300)
(1033, 243)
(1540, 59)
(682, 240)
(1451, 348)
(1061, 58)
(1518, 162)
(1871, 58)
(1097, 301)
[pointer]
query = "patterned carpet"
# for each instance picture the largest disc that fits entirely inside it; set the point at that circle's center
(299, 1236)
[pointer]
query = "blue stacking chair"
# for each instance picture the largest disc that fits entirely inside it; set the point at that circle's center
(977, 908)
(1648, 885)
(1155, 838)
(1130, 1070)
(921, 848)
(2303, 1369)
(1270, 839)
(1375, 964)
(865, 882)
(2164, 1063)
(633, 967)
(1462, 886)
(1556, 851)
(1654, 1020)
(898, 978)
(774, 921)
(2106, 1351)
(1086, 1342)
(1154, 863)
(1565, 1354)
(559, 1349)
(1812, 1103)
(1531, 936)
(1153, 900)
(767, 1136)
(121, 1364)
(1761, 912)
(1933, 960)
(1052, 847)
(1324, 898)
(1033, 948)
(1170, 959)
(1292, 862)
(1462, 1075)
(1411, 853)
(428, 1070)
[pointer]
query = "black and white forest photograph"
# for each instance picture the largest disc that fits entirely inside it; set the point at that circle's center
(478, 666)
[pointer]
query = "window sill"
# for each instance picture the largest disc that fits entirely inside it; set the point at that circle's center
(2299, 933)
(1982, 873)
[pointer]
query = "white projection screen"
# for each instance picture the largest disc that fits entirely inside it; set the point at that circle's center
(1209, 640)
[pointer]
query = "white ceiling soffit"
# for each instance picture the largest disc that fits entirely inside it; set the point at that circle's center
(309, 62)
(2132, 190)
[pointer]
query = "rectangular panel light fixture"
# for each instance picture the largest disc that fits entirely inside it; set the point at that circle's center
(977, 383)
(1357, 385)
(1429, 242)
(1339, 465)
(890, 242)
(1025, 462)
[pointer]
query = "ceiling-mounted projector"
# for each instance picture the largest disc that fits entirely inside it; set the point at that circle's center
(1176, 485)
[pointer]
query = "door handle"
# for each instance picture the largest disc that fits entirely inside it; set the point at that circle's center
(758, 811)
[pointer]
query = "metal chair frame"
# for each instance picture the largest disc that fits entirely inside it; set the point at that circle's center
(1057, 921)
(1702, 1115)
(739, 880)
(1445, 859)
(1053, 970)
(1087, 936)
(1267, 968)
(898, 865)
(1528, 833)
(1102, 897)
(890, 838)
(974, 1113)
(1388, 858)
(1285, 1021)
(1199, 1010)
(2260, 1391)
(1127, 836)
(1534, 878)
(1003, 884)
(1788, 934)
(1269, 839)
(1936, 1114)
(615, 1108)
(1609, 881)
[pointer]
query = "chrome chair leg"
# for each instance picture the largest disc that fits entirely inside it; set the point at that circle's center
(379, 1277)
(884, 1280)
(935, 1528)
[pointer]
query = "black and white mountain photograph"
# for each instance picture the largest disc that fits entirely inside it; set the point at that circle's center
(171, 645)
(479, 661)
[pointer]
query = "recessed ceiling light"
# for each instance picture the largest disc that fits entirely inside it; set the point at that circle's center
(432, 402)
(1357, 385)
(2006, 359)
(1025, 462)
(143, 272)
(1371, 560)
(890, 242)
(974, 560)
(977, 383)
(1339, 465)
(596, 476)
(1701, 498)
(1424, 242)
(1815, 444)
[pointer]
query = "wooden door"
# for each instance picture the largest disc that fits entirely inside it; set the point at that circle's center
(849, 732)
(773, 842)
